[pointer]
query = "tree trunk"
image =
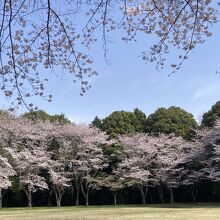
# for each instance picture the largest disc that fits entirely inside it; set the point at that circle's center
(143, 199)
(143, 194)
(29, 196)
(58, 201)
(77, 196)
(77, 185)
(87, 197)
(161, 193)
(58, 195)
(171, 195)
(194, 192)
(120, 198)
(85, 193)
(115, 197)
(0, 198)
(49, 198)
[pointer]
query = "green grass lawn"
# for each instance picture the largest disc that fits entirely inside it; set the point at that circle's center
(176, 212)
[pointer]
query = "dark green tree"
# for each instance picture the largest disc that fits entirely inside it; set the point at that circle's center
(97, 122)
(41, 115)
(140, 120)
(123, 122)
(172, 120)
(208, 118)
(60, 119)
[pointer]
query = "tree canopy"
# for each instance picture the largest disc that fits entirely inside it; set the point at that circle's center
(41, 115)
(171, 120)
(97, 122)
(123, 122)
(209, 118)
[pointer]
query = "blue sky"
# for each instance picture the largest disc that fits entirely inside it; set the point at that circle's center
(127, 82)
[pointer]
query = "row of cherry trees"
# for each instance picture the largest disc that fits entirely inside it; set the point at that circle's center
(29, 152)
(58, 157)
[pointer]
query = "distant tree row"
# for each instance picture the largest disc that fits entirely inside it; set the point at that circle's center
(40, 115)
(45, 155)
(53, 156)
(163, 120)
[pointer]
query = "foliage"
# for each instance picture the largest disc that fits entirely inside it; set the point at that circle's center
(123, 122)
(41, 115)
(114, 154)
(172, 120)
(209, 118)
(59, 119)
(97, 122)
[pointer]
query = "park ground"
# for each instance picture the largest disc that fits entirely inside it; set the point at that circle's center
(151, 212)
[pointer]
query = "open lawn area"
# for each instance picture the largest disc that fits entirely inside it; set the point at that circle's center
(176, 212)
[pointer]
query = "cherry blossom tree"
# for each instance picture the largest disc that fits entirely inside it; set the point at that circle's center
(172, 153)
(153, 160)
(179, 24)
(27, 148)
(83, 154)
(191, 178)
(202, 160)
(60, 182)
(113, 183)
(207, 153)
(36, 34)
(59, 177)
(28, 165)
(6, 171)
(136, 167)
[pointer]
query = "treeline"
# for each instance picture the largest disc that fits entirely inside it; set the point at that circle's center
(172, 120)
(124, 158)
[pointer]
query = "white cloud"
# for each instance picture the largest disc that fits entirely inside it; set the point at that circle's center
(205, 91)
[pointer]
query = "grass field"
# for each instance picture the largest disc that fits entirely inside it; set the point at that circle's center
(177, 212)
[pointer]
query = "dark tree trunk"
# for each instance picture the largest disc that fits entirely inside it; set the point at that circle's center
(59, 196)
(194, 192)
(85, 193)
(143, 199)
(49, 198)
(171, 195)
(77, 185)
(2, 193)
(58, 201)
(143, 192)
(29, 196)
(120, 198)
(87, 197)
(77, 196)
(115, 197)
(1, 198)
(161, 193)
